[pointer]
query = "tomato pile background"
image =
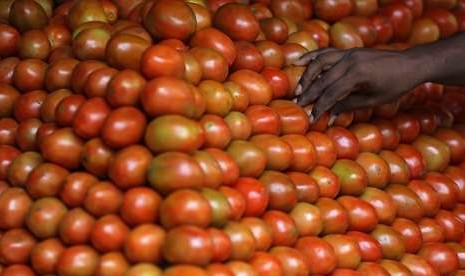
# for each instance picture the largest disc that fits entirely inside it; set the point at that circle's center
(160, 137)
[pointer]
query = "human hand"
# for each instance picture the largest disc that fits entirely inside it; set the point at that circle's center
(342, 80)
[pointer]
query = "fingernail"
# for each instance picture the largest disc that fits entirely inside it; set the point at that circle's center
(298, 90)
(295, 100)
(332, 119)
(311, 118)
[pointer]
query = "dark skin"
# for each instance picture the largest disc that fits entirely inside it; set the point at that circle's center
(342, 80)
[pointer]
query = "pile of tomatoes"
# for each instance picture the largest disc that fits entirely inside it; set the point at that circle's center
(159, 137)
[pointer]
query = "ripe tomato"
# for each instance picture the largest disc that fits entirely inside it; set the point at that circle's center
(452, 225)
(255, 194)
(258, 90)
(218, 99)
(274, 29)
(401, 18)
(431, 231)
(383, 203)
(362, 216)
(284, 229)
(281, 190)
(335, 217)
(261, 231)
(370, 249)
(278, 152)
(292, 260)
(109, 233)
(327, 181)
(103, 198)
(418, 265)
(346, 249)
(325, 148)
(144, 243)
(352, 177)
(414, 160)
(242, 241)
(441, 257)
(399, 169)
(445, 188)
(392, 244)
(410, 232)
(140, 205)
(346, 144)
(45, 255)
(248, 57)
(237, 21)
(427, 195)
(265, 264)
(329, 11)
(293, 118)
(408, 203)
(454, 141)
(307, 188)
(445, 20)
(215, 39)
(16, 246)
(214, 66)
(377, 170)
(344, 36)
(369, 137)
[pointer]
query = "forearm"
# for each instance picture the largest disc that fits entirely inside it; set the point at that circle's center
(442, 61)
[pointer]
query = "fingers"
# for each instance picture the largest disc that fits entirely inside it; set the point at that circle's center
(352, 102)
(319, 62)
(321, 84)
(308, 57)
(336, 91)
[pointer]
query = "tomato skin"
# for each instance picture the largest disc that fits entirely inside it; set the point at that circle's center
(249, 157)
(281, 190)
(144, 243)
(457, 174)
(213, 38)
(335, 216)
(242, 241)
(400, 172)
(414, 160)
(370, 249)
(346, 144)
(62, 147)
(292, 260)
(346, 249)
(454, 141)
(352, 177)
(162, 61)
(90, 117)
(368, 136)
(278, 152)
(70, 260)
(452, 225)
(170, 171)
(237, 21)
(265, 264)
(445, 188)
(258, 90)
(326, 180)
(255, 194)
(418, 265)
(174, 126)
(362, 216)
(264, 120)
(16, 246)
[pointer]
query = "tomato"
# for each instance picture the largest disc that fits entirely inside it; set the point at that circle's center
(242, 241)
(284, 229)
(369, 137)
(78, 259)
(278, 152)
(400, 172)
(240, 267)
(297, 10)
(352, 177)
(75, 227)
(392, 243)
(279, 82)
(410, 232)
(16, 246)
(9, 40)
(362, 216)
(383, 203)
(445, 188)
(293, 119)
(292, 53)
(325, 148)
(264, 120)
(202, 15)
(45, 180)
(395, 267)
(307, 188)
(281, 190)
(318, 253)
(364, 28)
(239, 95)
(377, 170)
(175, 126)
(274, 29)
(424, 31)
(103, 198)
(8, 131)
(370, 268)
(260, 10)
(452, 225)
(418, 265)
(215, 39)
(428, 196)
(28, 105)
(249, 157)
(401, 18)
(255, 194)
(431, 231)
(458, 176)
(27, 133)
(292, 260)
(329, 11)
(441, 257)
(414, 160)
(293, 74)
(327, 181)
(454, 141)
(408, 127)
(335, 216)
(9, 154)
(144, 243)
(178, 20)
(229, 168)
(220, 208)
(221, 244)
(237, 21)
(346, 144)
(112, 263)
(344, 36)
(370, 249)
(346, 250)
(317, 32)
(218, 99)
(266, 264)
(217, 133)
(213, 64)
(458, 248)
(445, 20)
(45, 254)
(261, 231)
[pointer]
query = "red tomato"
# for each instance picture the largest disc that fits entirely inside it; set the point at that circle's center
(304, 154)
(213, 38)
(281, 190)
(362, 216)
(274, 29)
(265, 264)
(292, 260)
(431, 231)
(414, 160)
(452, 225)
(377, 170)
(325, 148)
(255, 194)
(445, 20)
(370, 249)
(307, 188)
(369, 137)
(410, 232)
(332, 11)
(408, 203)
(335, 217)
(242, 241)
(319, 254)
(346, 249)
(278, 153)
(293, 118)
(327, 181)
(445, 188)
(418, 265)
(383, 203)
(237, 21)
(352, 177)
(441, 257)
(401, 18)
(144, 243)
(428, 196)
(346, 144)
(400, 172)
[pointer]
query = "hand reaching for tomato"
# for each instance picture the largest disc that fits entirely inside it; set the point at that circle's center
(342, 80)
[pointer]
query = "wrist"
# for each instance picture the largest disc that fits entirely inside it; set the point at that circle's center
(421, 64)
